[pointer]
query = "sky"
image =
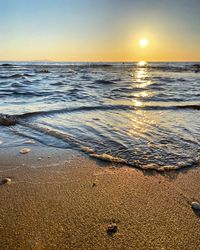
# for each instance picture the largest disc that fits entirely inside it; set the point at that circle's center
(99, 30)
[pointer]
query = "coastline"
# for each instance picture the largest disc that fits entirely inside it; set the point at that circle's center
(62, 199)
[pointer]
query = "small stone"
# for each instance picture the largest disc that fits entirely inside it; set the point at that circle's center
(39, 158)
(112, 229)
(25, 150)
(7, 120)
(196, 205)
(5, 181)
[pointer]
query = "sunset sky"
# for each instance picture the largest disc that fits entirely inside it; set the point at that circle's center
(94, 30)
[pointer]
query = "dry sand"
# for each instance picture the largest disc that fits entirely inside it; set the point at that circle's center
(67, 201)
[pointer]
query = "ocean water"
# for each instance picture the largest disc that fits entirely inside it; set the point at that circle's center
(144, 115)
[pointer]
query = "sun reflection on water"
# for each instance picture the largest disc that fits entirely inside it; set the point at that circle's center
(141, 80)
(142, 77)
(141, 74)
(142, 63)
(141, 94)
(137, 103)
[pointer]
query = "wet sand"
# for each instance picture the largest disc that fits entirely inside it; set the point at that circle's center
(59, 199)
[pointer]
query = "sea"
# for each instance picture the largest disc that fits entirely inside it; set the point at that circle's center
(143, 115)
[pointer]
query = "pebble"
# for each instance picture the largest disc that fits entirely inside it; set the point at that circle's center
(112, 229)
(7, 120)
(25, 150)
(5, 181)
(196, 206)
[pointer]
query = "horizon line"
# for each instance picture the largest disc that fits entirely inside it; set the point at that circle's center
(120, 61)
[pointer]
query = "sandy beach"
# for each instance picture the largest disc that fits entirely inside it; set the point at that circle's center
(60, 199)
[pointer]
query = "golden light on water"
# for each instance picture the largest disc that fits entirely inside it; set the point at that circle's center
(141, 94)
(137, 103)
(144, 42)
(141, 75)
(142, 63)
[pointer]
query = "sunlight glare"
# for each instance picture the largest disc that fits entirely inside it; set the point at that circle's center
(138, 103)
(142, 63)
(144, 42)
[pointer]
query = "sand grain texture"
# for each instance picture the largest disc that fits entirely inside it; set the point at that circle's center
(57, 207)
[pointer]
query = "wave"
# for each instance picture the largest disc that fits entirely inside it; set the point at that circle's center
(15, 76)
(7, 120)
(111, 107)
(94, 108)
(7, 65)
(107, 157)
(104, 82)
(137, 164)
(165, 168)
(195, 107)
(173, 68)
(43, 71)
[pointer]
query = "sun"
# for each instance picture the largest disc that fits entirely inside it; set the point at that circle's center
(144, 42)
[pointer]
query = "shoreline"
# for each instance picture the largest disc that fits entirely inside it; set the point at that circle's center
(62, 199)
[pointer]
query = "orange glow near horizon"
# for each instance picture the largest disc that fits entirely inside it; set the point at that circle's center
(125, 49)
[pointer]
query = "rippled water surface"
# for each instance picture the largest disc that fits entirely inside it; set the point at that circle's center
(143, 115)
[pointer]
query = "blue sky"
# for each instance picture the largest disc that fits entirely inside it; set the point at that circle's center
(92, 30)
